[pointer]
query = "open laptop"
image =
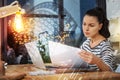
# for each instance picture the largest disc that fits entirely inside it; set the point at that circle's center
(35, 54)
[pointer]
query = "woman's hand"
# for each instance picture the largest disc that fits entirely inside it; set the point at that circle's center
(93, 59)
(89, 57)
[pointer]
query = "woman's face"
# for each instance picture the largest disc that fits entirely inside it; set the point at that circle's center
(91, 26)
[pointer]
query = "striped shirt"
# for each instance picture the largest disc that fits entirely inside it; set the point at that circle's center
(103, 50)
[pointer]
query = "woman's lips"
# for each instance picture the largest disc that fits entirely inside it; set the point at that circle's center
(87, 33)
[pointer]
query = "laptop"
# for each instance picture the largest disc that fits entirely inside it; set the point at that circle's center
(35, 54)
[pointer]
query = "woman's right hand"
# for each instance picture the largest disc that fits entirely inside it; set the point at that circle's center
(89, 57)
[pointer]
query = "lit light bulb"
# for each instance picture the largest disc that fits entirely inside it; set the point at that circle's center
(18, 23)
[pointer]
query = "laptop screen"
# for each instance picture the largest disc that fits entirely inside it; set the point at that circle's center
(35, 54)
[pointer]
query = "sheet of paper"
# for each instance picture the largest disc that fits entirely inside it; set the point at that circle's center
(64, 55)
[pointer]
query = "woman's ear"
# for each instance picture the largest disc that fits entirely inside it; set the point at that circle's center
(101, 25)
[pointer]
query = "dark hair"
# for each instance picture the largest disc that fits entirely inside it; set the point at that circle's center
(101, 16)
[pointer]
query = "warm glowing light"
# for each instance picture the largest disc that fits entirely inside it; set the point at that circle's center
(21, 29)
(18, 23)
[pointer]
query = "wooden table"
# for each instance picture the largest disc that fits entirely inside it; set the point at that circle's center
(21, 71)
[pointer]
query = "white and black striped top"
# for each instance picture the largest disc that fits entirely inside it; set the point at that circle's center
(103, 50)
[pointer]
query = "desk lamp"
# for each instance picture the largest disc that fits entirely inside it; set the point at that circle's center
(4, 12)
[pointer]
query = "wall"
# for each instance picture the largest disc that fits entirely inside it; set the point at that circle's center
(113, 14)
(113, 9)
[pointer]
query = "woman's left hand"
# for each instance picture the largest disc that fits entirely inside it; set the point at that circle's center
(89, 57)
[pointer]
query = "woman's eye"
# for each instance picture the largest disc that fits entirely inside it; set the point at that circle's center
(83, 24)
(91, 25)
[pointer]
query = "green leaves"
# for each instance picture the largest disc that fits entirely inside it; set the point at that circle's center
(43, 51)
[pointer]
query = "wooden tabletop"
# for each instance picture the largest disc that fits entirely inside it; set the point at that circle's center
(21, 71)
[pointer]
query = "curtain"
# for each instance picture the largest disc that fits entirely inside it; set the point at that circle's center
(102, 4)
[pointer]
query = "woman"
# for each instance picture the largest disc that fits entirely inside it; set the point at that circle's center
(97, 50)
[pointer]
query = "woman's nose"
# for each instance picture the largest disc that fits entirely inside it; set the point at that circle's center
(87, 28)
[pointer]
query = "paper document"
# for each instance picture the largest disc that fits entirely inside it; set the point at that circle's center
(64, 55)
